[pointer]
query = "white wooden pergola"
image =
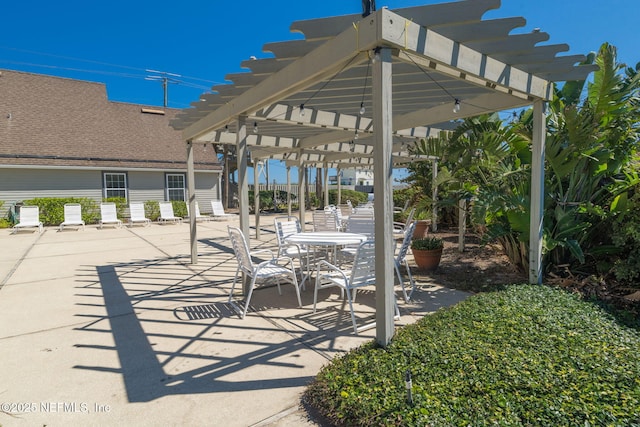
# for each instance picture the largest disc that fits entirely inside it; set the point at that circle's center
(410, 69)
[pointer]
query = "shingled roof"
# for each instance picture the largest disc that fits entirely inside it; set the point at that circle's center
(53, 121)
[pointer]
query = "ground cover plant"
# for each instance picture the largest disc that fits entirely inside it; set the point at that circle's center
(525, 355)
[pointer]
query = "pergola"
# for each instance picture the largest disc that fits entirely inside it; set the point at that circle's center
(413, 70)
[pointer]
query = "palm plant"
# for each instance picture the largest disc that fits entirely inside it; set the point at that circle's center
(587, 179)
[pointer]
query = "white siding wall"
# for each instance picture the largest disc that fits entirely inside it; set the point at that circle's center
(22, 184)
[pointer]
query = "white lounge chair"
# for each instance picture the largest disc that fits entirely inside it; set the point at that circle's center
(137, 215)
(109, 215)
(166, 214)
(29, 217)
(199, 216)
(218, 211)
(72, 216)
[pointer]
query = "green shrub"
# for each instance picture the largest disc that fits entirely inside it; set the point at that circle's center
(626, 235)
(525, 356)
(427, 243)
(52, 209)
(152, 209)
(179, 208)
(4, 222)
(356, 197)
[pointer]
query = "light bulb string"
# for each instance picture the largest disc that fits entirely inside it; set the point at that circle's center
(456, 100)
(303, 104)
(366, 78)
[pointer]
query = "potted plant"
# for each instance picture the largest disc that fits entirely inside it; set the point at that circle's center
(427, 252)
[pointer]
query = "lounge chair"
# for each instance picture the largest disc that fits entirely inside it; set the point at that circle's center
(72, 216)
(137, 215)
(29, 217)
(166, 214)
(218, 211)
(109, 215)
(199, 216)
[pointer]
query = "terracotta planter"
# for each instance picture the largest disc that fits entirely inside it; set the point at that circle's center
(427, 259)
(422, 229)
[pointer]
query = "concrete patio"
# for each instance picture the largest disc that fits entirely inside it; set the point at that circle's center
(116, 327)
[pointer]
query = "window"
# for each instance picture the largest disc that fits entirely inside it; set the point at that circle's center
(115, 185)
(175, 187)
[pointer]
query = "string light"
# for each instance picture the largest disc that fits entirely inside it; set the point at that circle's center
(376, 55)
(456, 106)
(364, 89)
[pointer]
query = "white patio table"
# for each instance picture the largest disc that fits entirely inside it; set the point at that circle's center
(324, 239)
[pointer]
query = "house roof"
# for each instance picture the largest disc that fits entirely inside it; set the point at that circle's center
(53, 121)
(441, 54)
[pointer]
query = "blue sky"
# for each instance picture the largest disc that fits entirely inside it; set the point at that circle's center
(115, 42)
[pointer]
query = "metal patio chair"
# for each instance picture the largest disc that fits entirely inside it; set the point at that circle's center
(274, 269)
(362, 273)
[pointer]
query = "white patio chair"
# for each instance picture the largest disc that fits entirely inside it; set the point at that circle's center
(286, 226)
(362, 273)
(166, 214)
(399, 228)
(218, 211)
(29, 217)
(401, 259)
(357, 225)
(109, 215)
(345, 210)
(72, 216)
(274, 269)
(325, 221)
(137, 215)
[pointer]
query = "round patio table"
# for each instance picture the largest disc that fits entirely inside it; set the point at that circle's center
(326, 239)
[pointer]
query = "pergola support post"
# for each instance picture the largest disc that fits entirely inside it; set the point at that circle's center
(289, 190)
(537, 192)
(434, 195)
(191, 189)
(325, 183)
(256, 196)
(383, 190)
(462, 223)
(302, 182)
(339, 178)
(243, 184)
